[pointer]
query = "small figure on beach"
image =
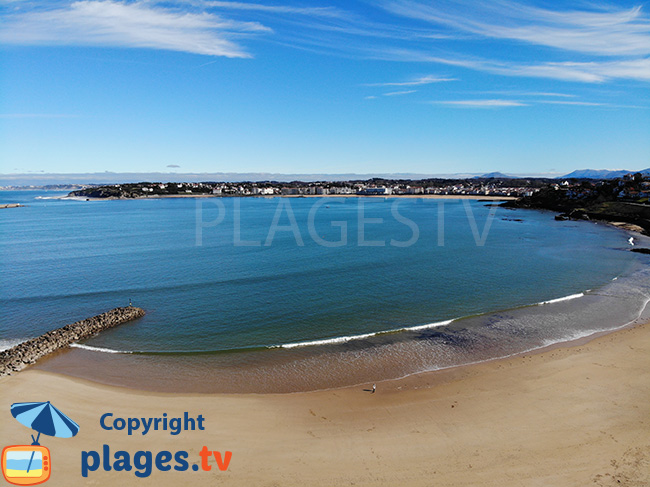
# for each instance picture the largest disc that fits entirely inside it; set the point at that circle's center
(374, 388)
(130, 302)
(631, 240)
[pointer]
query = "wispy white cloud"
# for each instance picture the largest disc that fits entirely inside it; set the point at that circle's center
(590, 104)
(591, 72)
(279, 9)
(544, 93)
(574, 103)
(613, 43)
(423, 80)
(400, 93)
(481, 103)
(503, 103)
(141, 25)
(602, 31)
(520, 93)
(586, 72)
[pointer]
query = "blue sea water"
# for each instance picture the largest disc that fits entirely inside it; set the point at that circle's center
(263, 276)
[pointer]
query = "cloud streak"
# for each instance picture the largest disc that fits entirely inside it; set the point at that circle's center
(611, 43)
(606, 31)
(582, 71)
(134, 25)
(423, 80)
(277, 9)
(400, 93)
(481, 103)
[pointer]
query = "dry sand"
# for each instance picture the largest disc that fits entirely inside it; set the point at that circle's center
(574, 416)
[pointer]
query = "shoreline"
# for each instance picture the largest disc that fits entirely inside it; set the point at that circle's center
(247, 372)
(80, 357)
(572, 415)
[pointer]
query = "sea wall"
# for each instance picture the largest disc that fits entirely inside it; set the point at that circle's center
(26, 353)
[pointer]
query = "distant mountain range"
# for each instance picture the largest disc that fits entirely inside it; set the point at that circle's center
(495, 175)
(42, 179)
(602, 173)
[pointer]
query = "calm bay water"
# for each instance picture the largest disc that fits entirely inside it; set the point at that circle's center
(218, 276)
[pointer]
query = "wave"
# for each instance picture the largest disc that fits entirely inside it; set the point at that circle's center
(320, 341)
(565, 298)
(99, 349)
(429, 325)
(76, 198)
(308, 343)
(6, 344)
(577, 335)
(327, 341)
(345, 339)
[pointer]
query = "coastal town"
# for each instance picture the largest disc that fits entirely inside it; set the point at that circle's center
(621, 199)
(633, 186)
(375, 186)
(615, 199)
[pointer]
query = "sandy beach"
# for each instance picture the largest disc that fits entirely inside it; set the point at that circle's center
(570, 416)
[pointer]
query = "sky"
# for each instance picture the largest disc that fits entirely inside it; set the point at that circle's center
(324, 86)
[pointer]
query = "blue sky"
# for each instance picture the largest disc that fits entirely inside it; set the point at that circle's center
(324, 86)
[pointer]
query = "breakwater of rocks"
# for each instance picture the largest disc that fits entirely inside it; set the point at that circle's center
(28, 352)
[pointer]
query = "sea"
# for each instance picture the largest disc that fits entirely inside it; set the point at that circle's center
(270, 294)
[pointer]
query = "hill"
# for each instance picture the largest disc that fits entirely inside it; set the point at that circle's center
(494, 175)
(601, 174)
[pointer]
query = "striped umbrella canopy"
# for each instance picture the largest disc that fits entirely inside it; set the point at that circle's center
(44, 418)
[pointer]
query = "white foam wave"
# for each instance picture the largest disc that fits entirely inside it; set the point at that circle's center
(97, 349)
(567, 338)
(565, 298)
(345, 339)
(424, 327)
(75, 198)
(6, 344)
(327, 341)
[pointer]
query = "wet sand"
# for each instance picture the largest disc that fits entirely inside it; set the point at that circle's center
(570, 416)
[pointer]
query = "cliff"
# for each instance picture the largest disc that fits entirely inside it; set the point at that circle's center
(26, 353)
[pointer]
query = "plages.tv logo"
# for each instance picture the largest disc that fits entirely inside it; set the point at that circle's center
(32, 464)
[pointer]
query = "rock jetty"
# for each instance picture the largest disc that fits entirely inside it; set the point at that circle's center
(28, 352)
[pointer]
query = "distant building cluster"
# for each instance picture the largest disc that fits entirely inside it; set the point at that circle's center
(633, 187)
(630, 188)
(298, 188)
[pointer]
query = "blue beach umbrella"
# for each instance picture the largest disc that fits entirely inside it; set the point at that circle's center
(44, 418)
